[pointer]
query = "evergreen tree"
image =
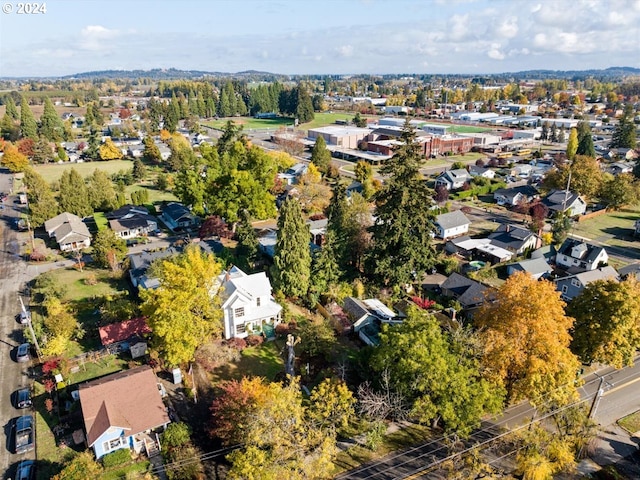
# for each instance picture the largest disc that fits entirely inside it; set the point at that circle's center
(247, 239)
(544, 134)
(292, 258)
(73, 195)
(172, 115)
(304, 106)
(11, 109)
(585, 140)
(42, 151)
(9, 128)
(139, 169)
(554, 133)
(624, 135)
(325, 269)
(51, 125)
(402, 247)
(28, 124)
(93, 145)
(42, 203)
(561, 135)
(151, 151)
(320, 156)
(102, 195)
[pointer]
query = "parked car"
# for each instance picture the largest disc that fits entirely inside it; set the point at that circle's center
(26, 470)
(24, 317)
(23, 353)
(24, 438)
(23, 398)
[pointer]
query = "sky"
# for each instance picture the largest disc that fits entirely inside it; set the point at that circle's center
(319, 36)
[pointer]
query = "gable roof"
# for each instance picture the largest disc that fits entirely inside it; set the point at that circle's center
(510, 193)
(534, 266)
(127, 210)
(559, 198)
(355, 308)
(67, 228)
(585, 278)
(128, 399)
(591, 251)
(235, 281)
(452, 219)
(467, 291)
(175, 211)
(511, 237)
(119, 331)
(457, 175)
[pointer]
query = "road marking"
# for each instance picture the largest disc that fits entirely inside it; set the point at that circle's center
(621, 386)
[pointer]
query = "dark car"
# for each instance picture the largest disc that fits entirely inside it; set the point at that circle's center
(26, 470)
(24, 317)
(22, 353)
(23, 398)
(24, 438)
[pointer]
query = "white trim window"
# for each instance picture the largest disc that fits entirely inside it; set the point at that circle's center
(114, 444)
(238, 312)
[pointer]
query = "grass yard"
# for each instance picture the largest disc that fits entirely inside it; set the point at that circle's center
(250, 123)
(78, 289)
(358, 454)
(53, 172)
(261, 361)
(155, 196)
(101, 220)
(467, 129)
(133, 470)
(631, 423)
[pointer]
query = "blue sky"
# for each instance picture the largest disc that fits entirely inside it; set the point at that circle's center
(315, 37)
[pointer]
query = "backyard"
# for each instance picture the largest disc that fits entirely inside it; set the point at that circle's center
(53, 171)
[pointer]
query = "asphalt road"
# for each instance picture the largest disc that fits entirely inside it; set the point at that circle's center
(13, 273)
(620, 397)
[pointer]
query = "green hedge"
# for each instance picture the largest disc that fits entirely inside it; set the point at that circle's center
(114, 459)
(476, 191)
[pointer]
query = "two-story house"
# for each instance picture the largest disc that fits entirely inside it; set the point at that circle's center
(578, 256)
(247, 303)
(453, 179)
(565, 201)
(571, 286)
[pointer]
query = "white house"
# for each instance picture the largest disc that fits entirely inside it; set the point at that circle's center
(453, 179)
(247, 303)
(69, 231)
(565, 201)
(452, 224)
(580, 256)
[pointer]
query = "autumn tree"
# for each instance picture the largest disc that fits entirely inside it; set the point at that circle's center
(586, 176)
(181, 456)
(73, 195)
(13, 159)
(109, 151)
(292, 257)
(214, 226)
(607, 326)
(438, 375)
(107, 245)
(313, 193)
(572, 144)
(619, 190)
(186, 280)
(28, 124)
(526, 335)
(282, 436)
(80, 467)
(402, 246)
(151, 152)
(320, 156)
(42, 203)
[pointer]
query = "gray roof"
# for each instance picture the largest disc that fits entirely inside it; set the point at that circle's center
(511, 237)
(592, 250)
(355, 308)
(468, 292)
(510, 193)
(556, 199)
(633, 269)
(67, 228)
(452, 219)
(534, 266)
(604, 273)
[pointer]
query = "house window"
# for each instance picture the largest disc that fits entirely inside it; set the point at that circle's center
(241, 328)
(575, 282)
(258, 302)
(238, 312)
(565, 289)
(113, 444)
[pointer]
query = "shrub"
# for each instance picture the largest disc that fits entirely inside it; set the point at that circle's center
(282, 329)
(255, 340)
(237, 343)
(119, 457)
(212, 355)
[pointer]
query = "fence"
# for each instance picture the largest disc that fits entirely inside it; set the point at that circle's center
(587, 216)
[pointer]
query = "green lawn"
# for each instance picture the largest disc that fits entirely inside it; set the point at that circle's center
(101, 220)
(612, 228)
(77, 287)
(155, 196)
(261, 361)
(631, 423)
(133, 470)
(250, 123)
(467, 129)
(53, 172)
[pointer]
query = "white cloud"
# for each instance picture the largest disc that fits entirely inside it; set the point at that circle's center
(459, 27)
(508, 28)
(96, 37)
(495, 52)
(345, 50)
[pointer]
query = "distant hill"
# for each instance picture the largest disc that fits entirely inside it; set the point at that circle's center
(611, 72)
(164, 74)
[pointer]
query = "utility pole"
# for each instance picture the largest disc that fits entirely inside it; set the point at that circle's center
(596, 399)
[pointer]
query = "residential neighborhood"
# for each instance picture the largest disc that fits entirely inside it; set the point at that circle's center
(312, 276)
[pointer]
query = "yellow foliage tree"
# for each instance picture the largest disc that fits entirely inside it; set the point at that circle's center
(526, 337)
(108, 151)
(283, 159)
(13, 159)
(184, 311)
(55, 346)
(165, 135)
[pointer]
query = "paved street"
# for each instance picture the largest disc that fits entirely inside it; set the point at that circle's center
(621, 396)
(13, 273)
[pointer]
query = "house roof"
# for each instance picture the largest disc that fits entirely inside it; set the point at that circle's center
(117, 332)
(510, 193)
(452, 219)
(457, 175)
(127, 210)
(175, 211)
(511, 237)
(128, 399)
(534, 266)
(559, 198)
(603, 273)
(140, 262)
(468, 292)
(633, 269)
(591, 252)
(355, 308)
(67, 228)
